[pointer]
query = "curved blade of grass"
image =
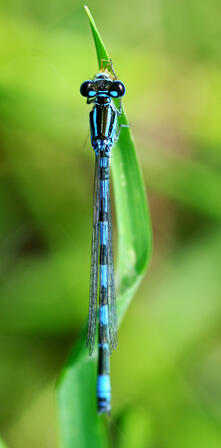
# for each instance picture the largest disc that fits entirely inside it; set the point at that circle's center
(80, 425)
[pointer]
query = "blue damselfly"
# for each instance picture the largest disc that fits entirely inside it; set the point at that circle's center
(104, 127)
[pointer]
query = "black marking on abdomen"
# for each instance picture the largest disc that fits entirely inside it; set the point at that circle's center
(103, 216)
(103, 254)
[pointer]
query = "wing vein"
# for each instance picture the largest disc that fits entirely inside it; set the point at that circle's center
(112, 308)
(92, 318)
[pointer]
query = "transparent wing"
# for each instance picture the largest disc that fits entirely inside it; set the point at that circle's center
(112, 308)
(92, 318)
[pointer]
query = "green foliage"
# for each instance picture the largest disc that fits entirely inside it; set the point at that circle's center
(2, 444)
(79, 377)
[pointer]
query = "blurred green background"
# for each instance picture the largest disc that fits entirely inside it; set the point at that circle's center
(166, 373)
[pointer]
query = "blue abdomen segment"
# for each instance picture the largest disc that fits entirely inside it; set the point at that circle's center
(103, 275)
(103, 393)
(103, 314)
(103, 233)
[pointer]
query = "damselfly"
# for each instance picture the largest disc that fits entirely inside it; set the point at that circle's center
(105, 130)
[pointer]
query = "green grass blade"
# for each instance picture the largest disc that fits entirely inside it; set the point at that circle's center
(98, 42)
(80, 425)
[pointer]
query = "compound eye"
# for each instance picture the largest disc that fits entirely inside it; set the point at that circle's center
(88, 89)
(117, 89)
